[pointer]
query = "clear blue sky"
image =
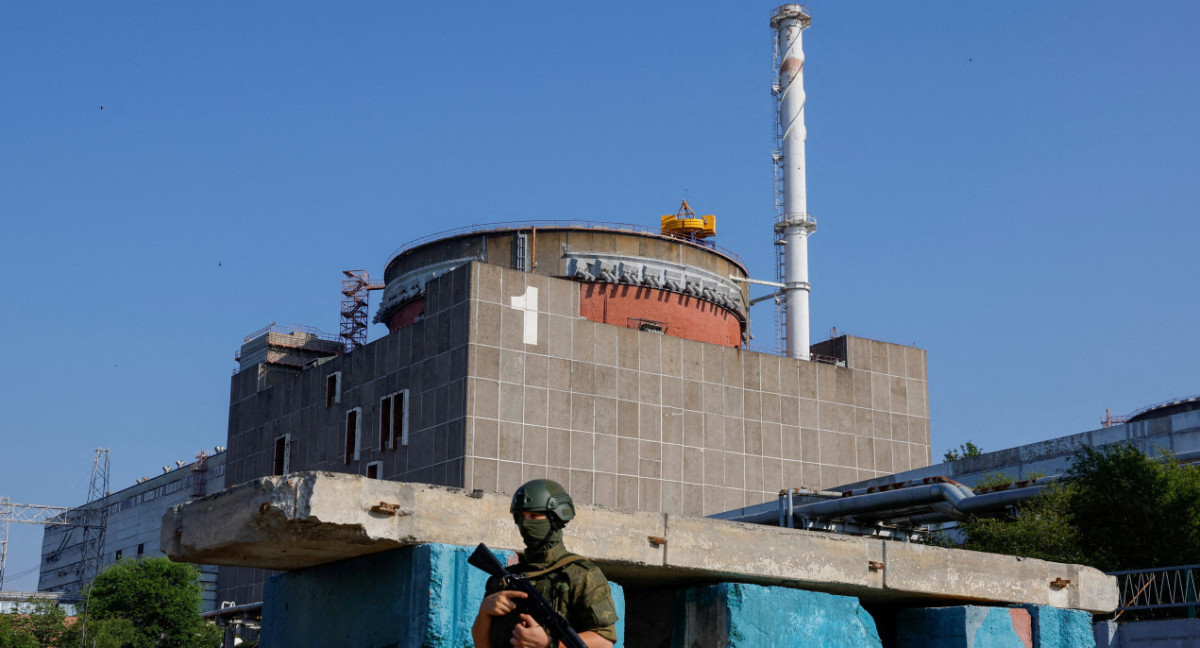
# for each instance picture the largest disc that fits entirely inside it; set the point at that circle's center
(1011, 186)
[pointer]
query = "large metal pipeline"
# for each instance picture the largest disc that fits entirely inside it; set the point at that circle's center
(916, 502)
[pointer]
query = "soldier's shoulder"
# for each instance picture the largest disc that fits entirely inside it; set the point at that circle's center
(581, 562)
(584, 568)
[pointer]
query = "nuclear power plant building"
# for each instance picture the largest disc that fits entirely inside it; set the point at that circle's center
(606, 358)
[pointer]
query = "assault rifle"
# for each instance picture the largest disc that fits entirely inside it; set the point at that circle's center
(535, 605)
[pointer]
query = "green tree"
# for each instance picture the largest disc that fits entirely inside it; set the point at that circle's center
(104, 633)
(963, 451)
(1136, 512)
(45, 625)
(1042, 529)
(1119, 509)
(159, 598)
(12, 635)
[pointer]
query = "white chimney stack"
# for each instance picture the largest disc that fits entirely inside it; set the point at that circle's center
(795, 224)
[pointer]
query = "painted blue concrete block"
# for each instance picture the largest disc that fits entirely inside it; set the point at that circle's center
(418, 597)
(752, 616)
(1058, 628)
(967, 626)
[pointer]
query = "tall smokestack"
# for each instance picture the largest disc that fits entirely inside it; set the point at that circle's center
(795, 223)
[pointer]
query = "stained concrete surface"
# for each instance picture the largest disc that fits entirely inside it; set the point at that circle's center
(968, 626)
(737, 615)
(307, 519)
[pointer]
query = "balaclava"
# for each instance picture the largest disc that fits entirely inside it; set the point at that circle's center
(540, 536)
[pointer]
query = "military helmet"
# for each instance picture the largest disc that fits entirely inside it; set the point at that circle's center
(543, 496)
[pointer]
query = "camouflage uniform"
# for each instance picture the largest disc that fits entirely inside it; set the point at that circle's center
(578, 591)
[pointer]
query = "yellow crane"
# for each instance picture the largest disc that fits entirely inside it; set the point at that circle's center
(687, 225)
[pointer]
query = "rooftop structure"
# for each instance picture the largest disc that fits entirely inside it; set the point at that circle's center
(628, 277)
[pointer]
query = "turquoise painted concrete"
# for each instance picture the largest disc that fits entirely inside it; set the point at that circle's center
(1058, 628)
(967, 626)
(417, 597)
(754, 616)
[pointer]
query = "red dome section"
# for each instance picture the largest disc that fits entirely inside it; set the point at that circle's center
(675, 314)
(406, 314)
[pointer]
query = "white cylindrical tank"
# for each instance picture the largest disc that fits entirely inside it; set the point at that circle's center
(789, 21)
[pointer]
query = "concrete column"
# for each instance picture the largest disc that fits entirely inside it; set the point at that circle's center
(416, 597)
(968, 626)
(1058, 628)
(754, 616)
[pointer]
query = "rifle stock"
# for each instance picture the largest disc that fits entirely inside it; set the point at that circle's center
(535, 605)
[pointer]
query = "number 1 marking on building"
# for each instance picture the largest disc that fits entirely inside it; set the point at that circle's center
(528, 303)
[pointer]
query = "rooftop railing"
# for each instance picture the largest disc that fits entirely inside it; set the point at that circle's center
(1159, 588)
(556, 224)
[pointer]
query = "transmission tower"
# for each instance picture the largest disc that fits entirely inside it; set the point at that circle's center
(25, 514)
(95, 518)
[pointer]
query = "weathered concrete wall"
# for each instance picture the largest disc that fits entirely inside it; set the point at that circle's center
(648, 422)
(753, 616)
(1174, 633)
(965, 627)
(308, 519)
(417, 597)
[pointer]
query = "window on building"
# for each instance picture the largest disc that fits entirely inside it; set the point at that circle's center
(141, 548)
(283, 455)
(374, 469)
(333, 388)
(353, 433)
(118, 556)
(393, 420)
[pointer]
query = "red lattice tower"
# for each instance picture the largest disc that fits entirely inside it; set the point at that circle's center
(356, 290)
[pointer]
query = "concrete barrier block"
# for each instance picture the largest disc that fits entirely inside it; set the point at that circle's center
(1169, 633)
(416, 597)
(1058, 628)
(736, 615)
(968, 626)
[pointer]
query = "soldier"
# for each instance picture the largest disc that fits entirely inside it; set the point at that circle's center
(575, 586)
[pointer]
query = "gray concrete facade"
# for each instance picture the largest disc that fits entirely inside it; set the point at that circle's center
(1177, 433)
(133, 528)
(496, 395)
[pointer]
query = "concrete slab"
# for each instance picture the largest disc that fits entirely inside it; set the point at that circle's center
(965, 575)
(307, 519)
